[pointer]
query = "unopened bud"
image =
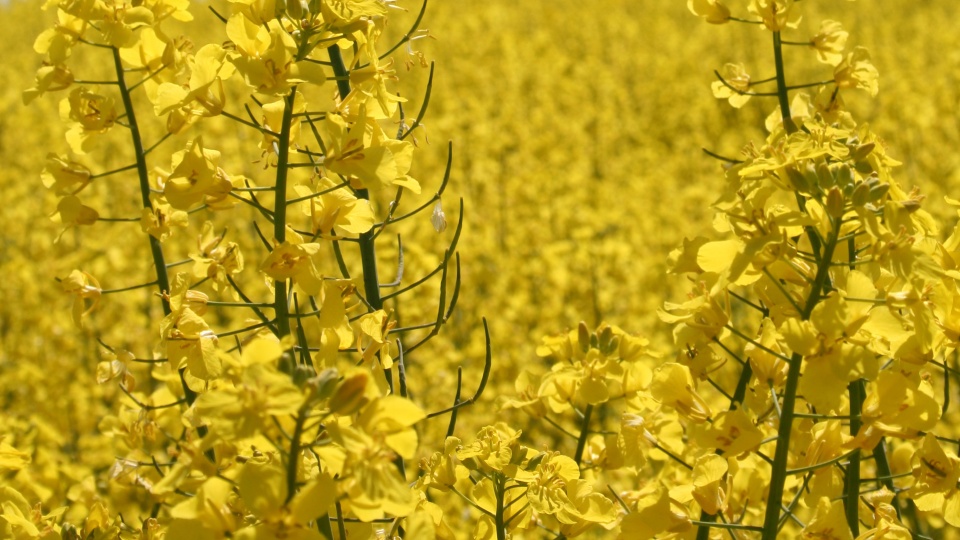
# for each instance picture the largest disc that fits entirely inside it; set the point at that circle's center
(825, 176)
(350, 396)
(844, 176)
(323, 384)
(69, 532)
(861, 152)
(797, 180)
(810, 175)
(835, 203)
(878, 191)
(583, 336)
(911, 205)
(861, 194)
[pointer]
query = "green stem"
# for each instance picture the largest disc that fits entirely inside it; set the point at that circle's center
(500, 522)
(584, 431)
(851, 478)
(156, 250)
(294, 458)
(368, 252)
(280, 303)
(782, 96)
(782, 453)
(709, 520)
(886, 476)
(163, 283)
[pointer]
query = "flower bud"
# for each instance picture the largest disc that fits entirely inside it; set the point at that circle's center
(583, 336)
(350, 396)
(825, 176)
(798, 180)
(878, 191)
(861, 194)
(835, 203)
(844, 176)
(861, 152)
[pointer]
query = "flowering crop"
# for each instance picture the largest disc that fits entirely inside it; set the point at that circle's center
(238, 351)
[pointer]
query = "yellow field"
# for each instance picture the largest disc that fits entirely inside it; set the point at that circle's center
(577, 130)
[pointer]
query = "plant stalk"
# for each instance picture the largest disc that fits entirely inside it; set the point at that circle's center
(280, 302)
(851, 479)
(779, 473)
(584, 431)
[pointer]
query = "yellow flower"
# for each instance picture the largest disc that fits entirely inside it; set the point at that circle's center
(263, 488)
(547, 491)
(937, 477)
(196, 178)
(57, 42)
(731, 431)
(527, 398)
(656, 513)
(160, 219)
(712, 10)
(897, 405)
(493, 450)
(216, 260)
(202, 95)
(829, 523)
(83, 287)
(735, 87)
(634, 441)
(441, 470)
(708, 479)
(584, 509)
(370, 445)
(829, 42)
(338, 209)
(774, 13)
(12, 459)
(189, 340)
(63, 176)
(857, 71)
(360, 151)
(267, 58)
(373, 338)
(767, 367)
(886, 523)
(73, 213)
(89, 114)
(673, 386)
(50, 78)
(243, 408)
(296, 262)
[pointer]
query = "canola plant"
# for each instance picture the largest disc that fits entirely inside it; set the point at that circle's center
(749, 203)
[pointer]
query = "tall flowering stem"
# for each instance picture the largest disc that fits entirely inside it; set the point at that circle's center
(771, 520)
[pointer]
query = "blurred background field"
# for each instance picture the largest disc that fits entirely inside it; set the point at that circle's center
(577, 130)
